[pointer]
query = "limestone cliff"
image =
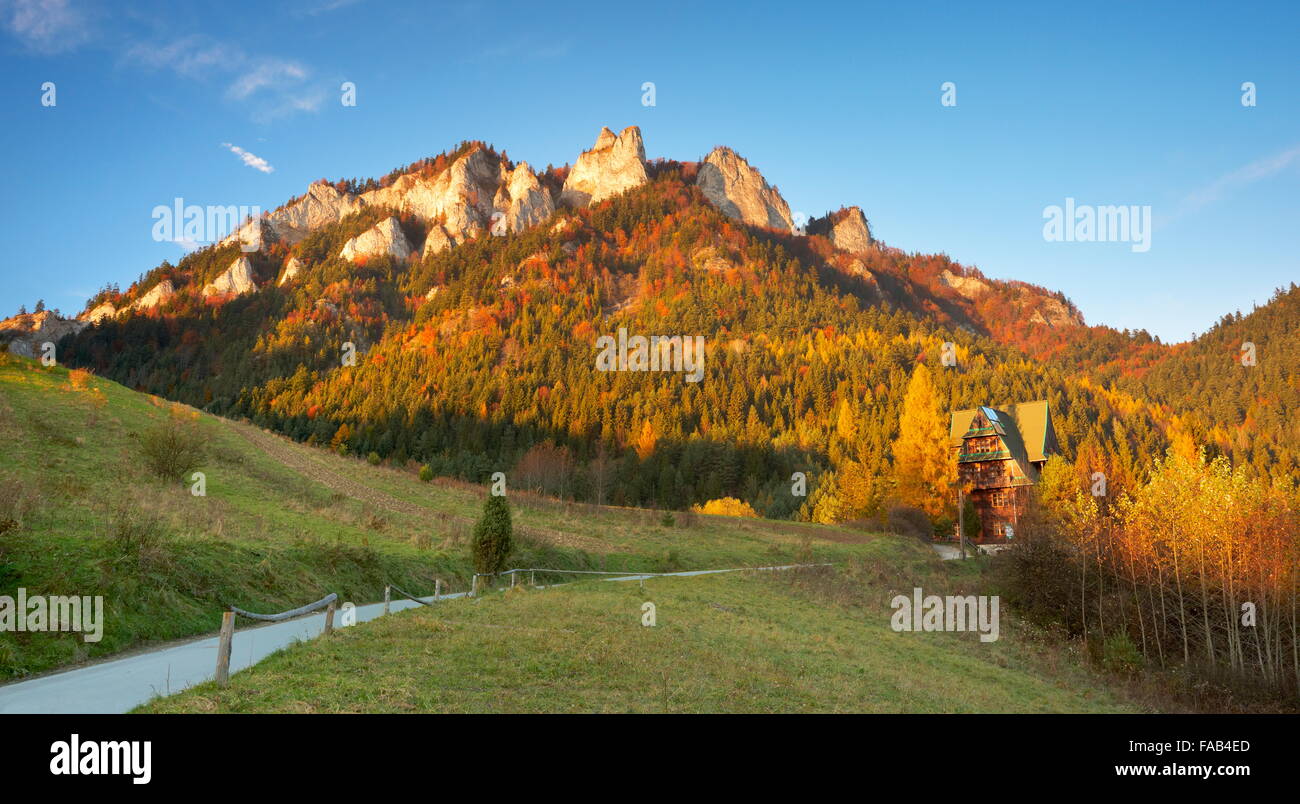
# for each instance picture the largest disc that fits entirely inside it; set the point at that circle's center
(741, 192)
(615, 164)
(384, 237)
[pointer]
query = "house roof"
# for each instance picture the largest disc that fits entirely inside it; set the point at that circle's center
(1025, 430)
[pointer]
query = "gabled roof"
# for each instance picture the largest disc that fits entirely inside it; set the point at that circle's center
(1028, 423)
(990, 424)
(1034, 421)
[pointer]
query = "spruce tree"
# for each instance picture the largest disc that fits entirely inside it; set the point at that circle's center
(492, 542)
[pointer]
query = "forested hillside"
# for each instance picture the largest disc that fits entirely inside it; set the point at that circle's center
(1237, 387)
(481, 358)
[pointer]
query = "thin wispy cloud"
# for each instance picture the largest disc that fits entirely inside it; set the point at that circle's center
(190, 56)
(529, 47)
(45, 26)
(252, 160)
(271, 87)
(266, 74)
(268, 86)
(1233, 182)
(328, 6)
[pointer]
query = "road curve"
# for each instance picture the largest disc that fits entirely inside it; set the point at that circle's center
(119, 685)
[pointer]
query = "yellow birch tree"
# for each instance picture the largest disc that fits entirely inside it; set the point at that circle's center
(924, 467)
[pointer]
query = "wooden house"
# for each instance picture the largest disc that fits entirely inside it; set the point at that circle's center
(1000, 452)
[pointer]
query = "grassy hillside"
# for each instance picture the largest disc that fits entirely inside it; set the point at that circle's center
(281, 523)
(797, 641)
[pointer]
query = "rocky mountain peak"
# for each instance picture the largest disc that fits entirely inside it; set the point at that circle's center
(27, 331)
(158, 294)
(523, 199)
(321, 205)
(292, 267)
(385, 237)
(1054, 313)
(850, 231)
(739, 191)
(476, 193)
(968, 286)
(606, 139)
(103, 310)
(437, 240)
(235, 280)
(615, 164)
(461, 197)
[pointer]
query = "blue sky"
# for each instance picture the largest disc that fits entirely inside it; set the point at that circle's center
(1108, 103)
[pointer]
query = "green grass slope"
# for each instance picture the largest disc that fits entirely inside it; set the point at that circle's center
(281, 523)
(793, 641)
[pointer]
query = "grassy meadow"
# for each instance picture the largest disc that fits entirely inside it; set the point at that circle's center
(281, 523)
(814, 640)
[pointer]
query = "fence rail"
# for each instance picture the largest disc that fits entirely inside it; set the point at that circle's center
(227, 635)
(437, 593)
(291, 613)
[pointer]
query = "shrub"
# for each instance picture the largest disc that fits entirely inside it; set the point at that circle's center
(9, 575)
(908, 521)
(944, 527)
(172, 449)
(134, 533)
(137, 541)
(426, 473)
(78, 379)
(373, 459)
(727, 506)
(1119, 654)
(492, 540)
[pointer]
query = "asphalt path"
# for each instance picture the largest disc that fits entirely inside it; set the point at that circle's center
(120, 685)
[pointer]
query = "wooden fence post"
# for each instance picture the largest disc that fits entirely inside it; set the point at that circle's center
(437, 589)
(223, 647)
(473, 589)
(514, 578)
(388, 596)
(961, 524)
(533, 580)
(329, 619)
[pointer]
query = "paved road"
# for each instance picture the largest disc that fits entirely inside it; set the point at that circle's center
(949, 552)
(120, 685)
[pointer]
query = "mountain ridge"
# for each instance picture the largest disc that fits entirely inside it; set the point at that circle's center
(451, 201)
(472, 355)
